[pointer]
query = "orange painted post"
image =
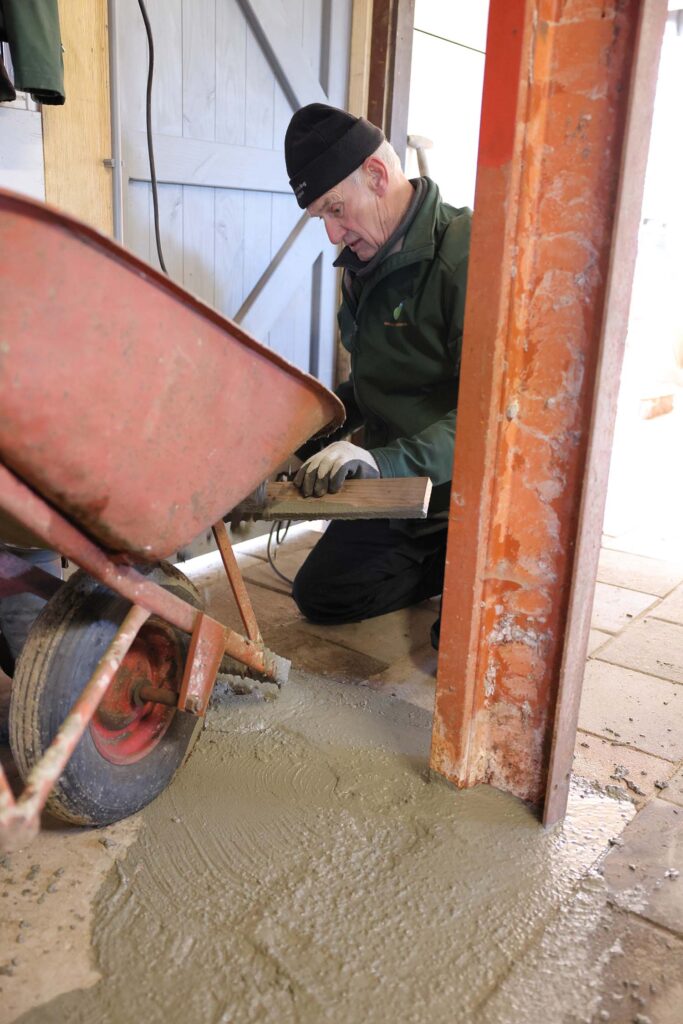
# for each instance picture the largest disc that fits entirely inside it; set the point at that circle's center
(557, 90)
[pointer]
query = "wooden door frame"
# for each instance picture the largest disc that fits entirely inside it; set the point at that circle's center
(77, 135)
(389, 70)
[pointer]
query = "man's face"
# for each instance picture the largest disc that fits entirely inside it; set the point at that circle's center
(351, 215)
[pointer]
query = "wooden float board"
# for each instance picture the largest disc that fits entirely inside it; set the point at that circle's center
(395, 498)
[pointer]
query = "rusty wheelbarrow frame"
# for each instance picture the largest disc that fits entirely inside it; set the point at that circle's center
(210, 643)
(83, 319)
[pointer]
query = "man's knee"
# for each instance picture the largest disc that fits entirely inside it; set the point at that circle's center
(320, 597)
(303, 593)
(311, 591)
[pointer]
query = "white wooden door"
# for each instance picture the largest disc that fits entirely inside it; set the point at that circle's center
(228, 74)
(21, 141)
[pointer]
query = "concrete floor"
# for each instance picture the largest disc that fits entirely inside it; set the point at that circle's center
(441, 906)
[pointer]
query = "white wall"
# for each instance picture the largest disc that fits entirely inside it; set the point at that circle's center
(21, 143)
(449, 43)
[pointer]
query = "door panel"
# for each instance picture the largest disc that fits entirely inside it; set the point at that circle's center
(228, 74)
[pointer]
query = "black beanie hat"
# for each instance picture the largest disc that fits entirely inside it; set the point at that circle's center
(323, 145)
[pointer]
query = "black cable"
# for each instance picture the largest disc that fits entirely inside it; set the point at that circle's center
(278, 526)
(275, 529)
(150, 146)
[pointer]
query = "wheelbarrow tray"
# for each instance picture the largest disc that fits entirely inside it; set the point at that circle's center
(136, 410)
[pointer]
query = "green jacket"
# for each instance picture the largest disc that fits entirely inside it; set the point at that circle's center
(405, 337)
(31, 27)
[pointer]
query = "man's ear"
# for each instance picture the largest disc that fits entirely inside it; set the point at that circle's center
(377, 175)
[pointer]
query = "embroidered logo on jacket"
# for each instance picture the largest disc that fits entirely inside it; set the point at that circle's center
(397, 322)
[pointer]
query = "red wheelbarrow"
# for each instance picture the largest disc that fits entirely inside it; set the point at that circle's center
(133, 417)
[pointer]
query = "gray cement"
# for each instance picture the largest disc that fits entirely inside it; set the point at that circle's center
(303, 867)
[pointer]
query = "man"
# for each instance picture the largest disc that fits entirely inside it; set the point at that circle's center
(401, 318)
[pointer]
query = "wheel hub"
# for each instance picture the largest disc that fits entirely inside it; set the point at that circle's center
(125, 728)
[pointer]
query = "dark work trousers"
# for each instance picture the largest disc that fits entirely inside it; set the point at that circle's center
(366, 567)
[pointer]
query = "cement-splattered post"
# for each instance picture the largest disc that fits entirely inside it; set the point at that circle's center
(555, 105)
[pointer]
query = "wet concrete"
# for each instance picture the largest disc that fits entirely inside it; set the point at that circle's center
(303, 867)
(47, 895)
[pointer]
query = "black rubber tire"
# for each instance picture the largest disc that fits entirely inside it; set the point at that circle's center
(62, 650)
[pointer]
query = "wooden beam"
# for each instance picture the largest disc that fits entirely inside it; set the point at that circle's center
(182, 161)
(380, 62)
(389, 83)
(400, 83)
(273, 291)
(359, 59)
(404, 498)
(77, 136)
(551, 154)
(271, 26)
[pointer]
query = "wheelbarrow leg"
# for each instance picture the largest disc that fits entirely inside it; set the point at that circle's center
(237, 586)
(203, 660)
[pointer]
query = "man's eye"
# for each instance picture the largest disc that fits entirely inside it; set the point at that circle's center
(336, 211)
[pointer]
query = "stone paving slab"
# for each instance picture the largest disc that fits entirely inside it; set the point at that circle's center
(644, 872)
(633, 708)
(641, 972)
(674, 791)
(298, 535)
(210, 564)
(411, 678)
(671, 608)
(287, 559)
(615, 607)
(636, 572)
(593, 963)
(620, 770)
(314, 654)
(596, 639)
(648, 645)
(386, 637)
(272, 609)
(663, 543)
(301, 541)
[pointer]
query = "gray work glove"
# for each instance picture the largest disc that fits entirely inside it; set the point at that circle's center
(327, 470)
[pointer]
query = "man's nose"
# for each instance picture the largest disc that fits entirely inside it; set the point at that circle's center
(335, 232)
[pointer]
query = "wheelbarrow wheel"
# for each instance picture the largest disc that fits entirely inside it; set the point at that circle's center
(132, 747)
